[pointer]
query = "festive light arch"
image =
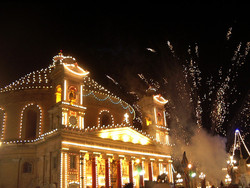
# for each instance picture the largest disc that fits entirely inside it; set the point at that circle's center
(119, 101)
(40, 118)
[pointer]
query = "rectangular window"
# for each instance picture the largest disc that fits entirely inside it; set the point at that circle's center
(54, 162)
(72, 161)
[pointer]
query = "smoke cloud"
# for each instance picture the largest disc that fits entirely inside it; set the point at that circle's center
(207, 153)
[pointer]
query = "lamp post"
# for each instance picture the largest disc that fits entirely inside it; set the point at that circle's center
(203, 181)
(179, 180)
(192, 175)
(228, 179)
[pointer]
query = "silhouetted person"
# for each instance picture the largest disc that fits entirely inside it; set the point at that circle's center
(221, 184)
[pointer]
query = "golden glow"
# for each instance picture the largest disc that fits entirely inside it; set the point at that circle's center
(79, 71)
(157, 137)
(137, 161)
(58, 93)
(125, 138)
(104, 135)
(125, 134)
(148, 121)
(160, 99)
(115, 136)
(72, 95)
(115, 149)
(167, 139)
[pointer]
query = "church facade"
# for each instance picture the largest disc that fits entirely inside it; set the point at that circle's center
(60, 128)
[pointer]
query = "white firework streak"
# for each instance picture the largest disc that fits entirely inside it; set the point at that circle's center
(143, 78)
(171, 48)
(116, 83)
(151, 50)
(229, 33)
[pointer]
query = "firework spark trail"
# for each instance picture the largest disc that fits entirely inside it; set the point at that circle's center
(143, 78)
(171, 48)
(193, 78)
(221, 88)
(116, 83)
(151, 50)
(222, 105)
(196, 50)
(229, 33)
(218, 91)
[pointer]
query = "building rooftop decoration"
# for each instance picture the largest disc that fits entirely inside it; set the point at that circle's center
(40, 79)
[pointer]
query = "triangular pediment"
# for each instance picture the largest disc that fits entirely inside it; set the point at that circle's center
(125, 134)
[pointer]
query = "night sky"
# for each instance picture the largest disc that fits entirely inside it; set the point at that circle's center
(113, 39)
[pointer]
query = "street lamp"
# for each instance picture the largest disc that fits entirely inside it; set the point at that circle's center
(202, 176)
(179, 181)
(228, 179)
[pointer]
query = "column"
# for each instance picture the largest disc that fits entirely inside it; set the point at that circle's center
(169, 170)
(82, 169)
(131, 169)
(119, 173)
(107, 173)
(150, 170)
(142, 174)
(94, 172)
(64, 170)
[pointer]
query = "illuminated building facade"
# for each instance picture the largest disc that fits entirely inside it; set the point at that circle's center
(60, 128)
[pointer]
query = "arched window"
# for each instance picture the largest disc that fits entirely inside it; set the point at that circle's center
(2, 123)
(30, 126)
(105, 118)
(58, 93)
(27, 167)
(72, 94)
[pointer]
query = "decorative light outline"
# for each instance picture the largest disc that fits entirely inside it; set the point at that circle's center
(160, 99)
(65, 90)
(164, 116)
(115, 149)
(3, 124)
(40, 119)
(84, 73)
(81, 99)
(109, 97)
(99, 118)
